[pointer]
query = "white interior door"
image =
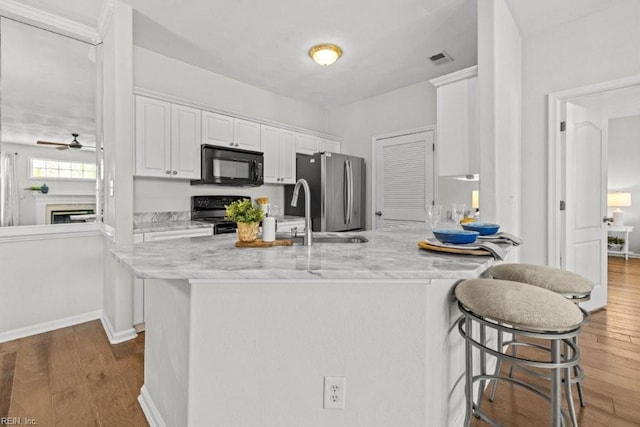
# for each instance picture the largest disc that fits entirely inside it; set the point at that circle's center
(585, 186)
(404, 178)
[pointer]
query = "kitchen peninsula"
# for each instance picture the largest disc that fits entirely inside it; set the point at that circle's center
(245, 336)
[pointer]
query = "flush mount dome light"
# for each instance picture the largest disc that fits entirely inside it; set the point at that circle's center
(325, 53)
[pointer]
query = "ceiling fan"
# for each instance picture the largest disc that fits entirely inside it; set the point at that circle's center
(73, 145)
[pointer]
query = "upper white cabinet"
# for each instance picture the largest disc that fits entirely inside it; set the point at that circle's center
(279, 150)
(458, 142)
(307, 144)
(167, 140)
(218, 129)
(329, 145)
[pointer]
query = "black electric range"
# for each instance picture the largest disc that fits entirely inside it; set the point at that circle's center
(211, 209)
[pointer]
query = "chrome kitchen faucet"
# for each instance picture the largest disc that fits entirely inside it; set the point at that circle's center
(307, 208)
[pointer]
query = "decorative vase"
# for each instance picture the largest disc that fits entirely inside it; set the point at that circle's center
(247, 231)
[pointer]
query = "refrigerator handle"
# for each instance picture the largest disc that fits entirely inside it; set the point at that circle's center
(345, 193)
(350, 196)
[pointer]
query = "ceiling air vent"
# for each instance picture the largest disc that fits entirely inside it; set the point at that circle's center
(441, 58)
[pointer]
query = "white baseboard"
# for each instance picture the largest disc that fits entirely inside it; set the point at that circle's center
(150, 409)
(49, 326)
(119, 336)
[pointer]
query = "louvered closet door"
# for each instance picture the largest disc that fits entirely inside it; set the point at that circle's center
(404, 178)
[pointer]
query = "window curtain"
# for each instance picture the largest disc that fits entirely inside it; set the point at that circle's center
(9, 196)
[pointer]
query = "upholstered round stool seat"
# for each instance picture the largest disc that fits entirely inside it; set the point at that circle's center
(528, 307)
(566, 283)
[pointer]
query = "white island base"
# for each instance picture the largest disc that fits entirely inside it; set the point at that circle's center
(255, 353)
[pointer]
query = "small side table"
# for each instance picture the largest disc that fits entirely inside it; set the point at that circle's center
(623, 231)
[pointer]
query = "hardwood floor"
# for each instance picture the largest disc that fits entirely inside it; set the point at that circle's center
(610, 345)
(73, 376)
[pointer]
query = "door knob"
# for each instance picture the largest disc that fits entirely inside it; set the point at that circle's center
(607, 219)
(378, 213)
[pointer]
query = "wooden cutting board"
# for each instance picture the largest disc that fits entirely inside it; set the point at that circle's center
(426, 245)
(258, 243)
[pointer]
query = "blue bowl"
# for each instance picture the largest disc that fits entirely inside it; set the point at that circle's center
(484, 229)
(457, 237)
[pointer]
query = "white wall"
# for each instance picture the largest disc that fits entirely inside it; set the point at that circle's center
(405, 108)
(56, 186)
(601, 47)
(170, 76)
(623, 173)
(49, 280)
(500, 101)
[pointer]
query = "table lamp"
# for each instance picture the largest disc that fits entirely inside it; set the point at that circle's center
(475, 204)
(617, 201)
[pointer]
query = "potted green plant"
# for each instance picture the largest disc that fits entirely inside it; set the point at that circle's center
(615, 243)
(247, 216)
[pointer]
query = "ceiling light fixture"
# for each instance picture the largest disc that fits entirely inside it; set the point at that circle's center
(325, 54)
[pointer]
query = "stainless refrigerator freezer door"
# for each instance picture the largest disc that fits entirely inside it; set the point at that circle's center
(342, 193)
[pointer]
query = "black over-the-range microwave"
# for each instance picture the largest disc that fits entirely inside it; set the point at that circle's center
(230, 166)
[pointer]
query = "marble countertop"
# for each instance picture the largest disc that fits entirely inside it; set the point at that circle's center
(388, 255)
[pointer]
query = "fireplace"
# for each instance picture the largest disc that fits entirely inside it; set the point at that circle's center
(64, 208)
(68, 216)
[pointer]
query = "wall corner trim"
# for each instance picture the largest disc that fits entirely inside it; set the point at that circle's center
(150, 409)
(116, 337)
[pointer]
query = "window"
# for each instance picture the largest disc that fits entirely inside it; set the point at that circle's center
(49, 168)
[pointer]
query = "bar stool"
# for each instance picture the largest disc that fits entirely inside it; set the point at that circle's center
(523, 311)
(572, 286)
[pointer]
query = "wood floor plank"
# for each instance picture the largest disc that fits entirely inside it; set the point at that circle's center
(118, 405)
(91, 339)
(31, 396)
(64, 363)
(7, 371)
(75, 407)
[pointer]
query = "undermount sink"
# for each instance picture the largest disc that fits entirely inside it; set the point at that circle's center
(298, 240)
(340, 239)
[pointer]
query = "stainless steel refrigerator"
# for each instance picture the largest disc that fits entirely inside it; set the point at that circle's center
(336, 182)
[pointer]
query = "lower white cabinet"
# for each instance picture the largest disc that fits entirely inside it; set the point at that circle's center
(167, 143)
(278, 146)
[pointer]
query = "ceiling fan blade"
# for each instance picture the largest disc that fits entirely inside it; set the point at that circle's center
(50, 143)
(64, 147)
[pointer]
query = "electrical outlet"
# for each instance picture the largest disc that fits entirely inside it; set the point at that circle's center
(334, 392)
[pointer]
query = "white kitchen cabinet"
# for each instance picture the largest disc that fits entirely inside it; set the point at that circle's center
(458, 145)
(329, 145)
(227, 131)
(279, 150)
(307, 144)
(167, 141)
